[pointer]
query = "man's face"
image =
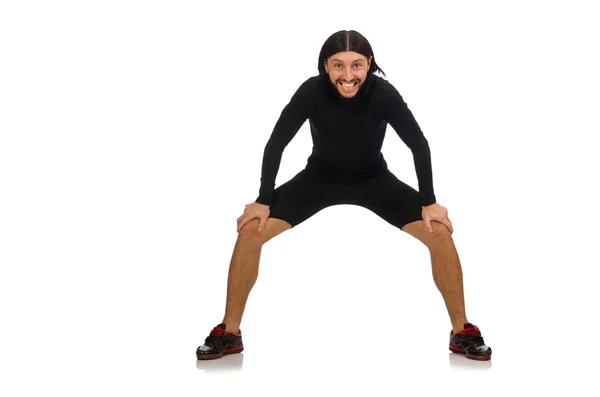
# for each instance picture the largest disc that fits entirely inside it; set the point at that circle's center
(347, 71)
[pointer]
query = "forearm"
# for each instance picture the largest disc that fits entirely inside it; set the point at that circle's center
(270, 167)
(422, 160)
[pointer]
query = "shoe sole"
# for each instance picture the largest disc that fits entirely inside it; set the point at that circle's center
(233, 350)
(458, 350)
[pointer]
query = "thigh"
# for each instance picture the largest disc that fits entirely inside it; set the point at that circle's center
(392, 200)
(301, 197)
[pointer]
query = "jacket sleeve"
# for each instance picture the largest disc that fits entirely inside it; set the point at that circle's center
(292, 117)
(399, 116)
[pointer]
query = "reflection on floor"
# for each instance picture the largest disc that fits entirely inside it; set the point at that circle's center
(459, 361)
(231, 363)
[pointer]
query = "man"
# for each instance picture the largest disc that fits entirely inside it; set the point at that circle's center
(348, 107)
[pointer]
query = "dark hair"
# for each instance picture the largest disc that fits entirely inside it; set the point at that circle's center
(347, 40)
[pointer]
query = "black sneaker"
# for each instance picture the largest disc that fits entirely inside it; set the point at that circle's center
(470, 343)
(220, 343)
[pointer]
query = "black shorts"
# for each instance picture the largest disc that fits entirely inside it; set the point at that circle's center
(309, 192)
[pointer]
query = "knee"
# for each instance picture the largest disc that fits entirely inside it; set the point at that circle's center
(440, 235)
(249, 232)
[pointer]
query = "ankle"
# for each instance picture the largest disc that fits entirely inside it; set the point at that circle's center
(235, 331)
(234, 328)
(458, 326)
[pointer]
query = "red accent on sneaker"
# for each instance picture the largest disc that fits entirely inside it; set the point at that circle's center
(208, 356)
(470, 331)
(217, 331)
(480, 358)
(220, 332)
(233, 349)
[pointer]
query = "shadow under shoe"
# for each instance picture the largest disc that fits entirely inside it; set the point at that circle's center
(220, 343)
(470, 343)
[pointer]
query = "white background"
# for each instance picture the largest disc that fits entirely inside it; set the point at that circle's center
(132, 135)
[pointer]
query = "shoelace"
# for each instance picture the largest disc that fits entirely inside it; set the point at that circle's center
(215, 337)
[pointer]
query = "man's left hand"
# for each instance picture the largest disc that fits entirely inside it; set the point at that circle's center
(438, 213)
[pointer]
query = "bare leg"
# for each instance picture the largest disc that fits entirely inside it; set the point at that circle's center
(446, 268)
(243, 269)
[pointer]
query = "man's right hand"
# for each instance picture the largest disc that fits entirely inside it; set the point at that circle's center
(252, 211)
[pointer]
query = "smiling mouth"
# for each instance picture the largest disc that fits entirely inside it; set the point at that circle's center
(348, 85)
